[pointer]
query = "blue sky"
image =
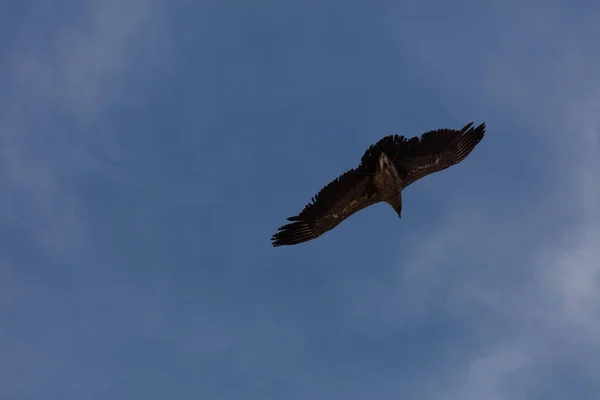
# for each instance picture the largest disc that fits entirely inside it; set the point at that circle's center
(149, 149)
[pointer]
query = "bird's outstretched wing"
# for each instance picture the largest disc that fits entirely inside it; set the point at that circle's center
(434, 151)
(344, 196)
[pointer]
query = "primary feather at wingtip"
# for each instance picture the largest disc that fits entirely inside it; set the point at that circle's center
(294, 233)
(468, 141)
(467, 126)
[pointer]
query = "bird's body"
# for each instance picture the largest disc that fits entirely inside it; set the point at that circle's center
(386, 168)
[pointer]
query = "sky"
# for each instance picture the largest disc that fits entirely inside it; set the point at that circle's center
(149, 149)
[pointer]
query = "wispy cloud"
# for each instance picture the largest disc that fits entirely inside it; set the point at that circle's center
(60, 76)
(62, 80)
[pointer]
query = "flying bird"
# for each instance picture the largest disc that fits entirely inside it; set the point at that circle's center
(386, 168)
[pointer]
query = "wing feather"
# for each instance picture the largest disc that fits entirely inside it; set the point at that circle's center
(433, 151)
(339, 199)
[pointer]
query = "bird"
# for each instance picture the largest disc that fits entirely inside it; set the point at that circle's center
(385, 170)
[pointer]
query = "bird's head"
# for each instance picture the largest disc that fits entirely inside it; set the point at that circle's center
(398, 211)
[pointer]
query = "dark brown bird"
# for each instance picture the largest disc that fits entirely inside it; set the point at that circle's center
(386, 168)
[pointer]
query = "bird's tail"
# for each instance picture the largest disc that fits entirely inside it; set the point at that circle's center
(469, 139)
